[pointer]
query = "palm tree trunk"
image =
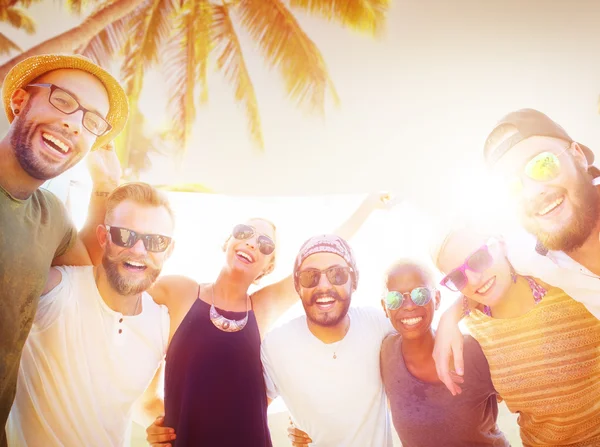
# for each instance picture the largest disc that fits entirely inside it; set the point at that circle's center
(74, 38)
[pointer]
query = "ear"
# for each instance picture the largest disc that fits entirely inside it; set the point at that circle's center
(437, 299)
(578, 155)
(170, 250)
(102, 236)
(385, 310)
(19, 98)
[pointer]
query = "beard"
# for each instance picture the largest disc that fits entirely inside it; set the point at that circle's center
(330, 318)
(21, 141)
(126, 286)
(586, 212)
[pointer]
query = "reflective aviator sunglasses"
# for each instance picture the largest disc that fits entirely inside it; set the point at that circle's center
(543, 167)
(421, 296)
(243, 232)
(478, 261)
(126, 238)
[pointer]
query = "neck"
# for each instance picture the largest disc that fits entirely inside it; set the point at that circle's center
(517, 301)
(330, 334)
(230, 289)
(127, 305)
(419, 351)
(14, 179)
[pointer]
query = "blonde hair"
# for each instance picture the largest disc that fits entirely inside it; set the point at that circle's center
(140, 193)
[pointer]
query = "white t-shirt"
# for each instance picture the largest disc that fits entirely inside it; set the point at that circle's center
(555, 268)
(338, 402)
(84, 366)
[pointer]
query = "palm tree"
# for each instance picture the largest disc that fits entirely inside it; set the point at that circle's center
(12, 13)
(184, 36)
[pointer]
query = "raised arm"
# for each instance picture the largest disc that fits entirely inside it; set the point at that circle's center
(449, 345)
(270, 302)
(105, 171)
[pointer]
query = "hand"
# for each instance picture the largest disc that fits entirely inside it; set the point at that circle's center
(297, 436)
(449, 344)
(104, 166)
(382, 200)
(159, 436)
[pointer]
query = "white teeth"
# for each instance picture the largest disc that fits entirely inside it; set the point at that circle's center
(411, 321)
(551, 206)
(136, 264)
(325, 300)
(245, 256)
(62, 146)
(486, 286)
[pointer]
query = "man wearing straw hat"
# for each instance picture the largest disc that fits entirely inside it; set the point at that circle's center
(60, 107)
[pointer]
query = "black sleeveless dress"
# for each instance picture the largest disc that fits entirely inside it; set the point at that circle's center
(214, 387)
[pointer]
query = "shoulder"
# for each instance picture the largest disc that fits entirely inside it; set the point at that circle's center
(62, 275)
(388, 343)
(282, 336)
(371, 317)
(169, 290)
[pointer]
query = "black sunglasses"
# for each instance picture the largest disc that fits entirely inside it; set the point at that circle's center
(265, 243)
(336, 275)
(126, 238)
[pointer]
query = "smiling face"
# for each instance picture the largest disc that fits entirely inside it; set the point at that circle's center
(488, 286)
(46, 141)
(244, 255)
(410, 320)
(562, 211)
(133, 270)
(325, 304)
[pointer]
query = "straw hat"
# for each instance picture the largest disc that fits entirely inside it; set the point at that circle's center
(31, 68)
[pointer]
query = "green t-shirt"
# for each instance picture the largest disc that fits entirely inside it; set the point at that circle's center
(32, 233)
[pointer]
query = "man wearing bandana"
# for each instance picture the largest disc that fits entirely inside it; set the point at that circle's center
(325, 365)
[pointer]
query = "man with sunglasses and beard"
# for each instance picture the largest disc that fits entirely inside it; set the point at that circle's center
(60, 107)
(553, 188)
(98, 339)
(325, 365)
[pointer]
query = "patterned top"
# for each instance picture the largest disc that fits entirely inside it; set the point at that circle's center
(545, 364)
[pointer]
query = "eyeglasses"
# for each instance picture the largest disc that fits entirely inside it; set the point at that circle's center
(421, 296)
(336, 275)
(265, 243)
(126, 238)
(544, 167)
(478, 262)
(65, 103)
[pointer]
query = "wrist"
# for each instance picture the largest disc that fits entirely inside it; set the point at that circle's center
(105, 186)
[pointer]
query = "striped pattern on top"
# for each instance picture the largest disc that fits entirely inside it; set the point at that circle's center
(546, 366)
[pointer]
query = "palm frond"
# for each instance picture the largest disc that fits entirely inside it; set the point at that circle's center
(148, 28)
(203, 13)
(103, 47)
(287, 47)
(179, 62)
(76, 6)
(18, 18)
(24, 3)
(7, 45)
(361, 15)
(230, 61)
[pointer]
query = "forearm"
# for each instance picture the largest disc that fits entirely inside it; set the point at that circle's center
(147, 412)
(96, 214)
(349, 228)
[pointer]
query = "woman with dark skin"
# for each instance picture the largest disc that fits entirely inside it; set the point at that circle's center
(419, 401)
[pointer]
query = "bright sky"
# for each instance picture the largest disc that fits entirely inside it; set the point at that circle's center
(416, 104)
